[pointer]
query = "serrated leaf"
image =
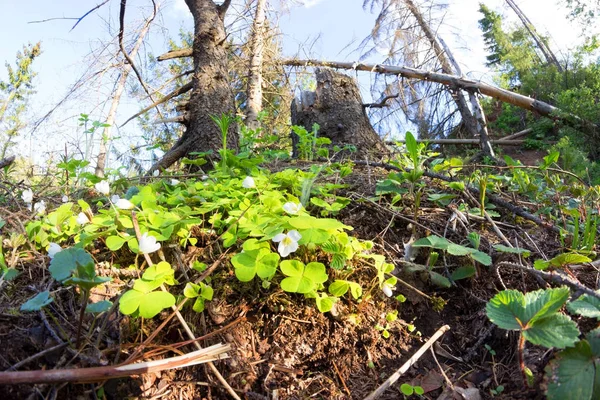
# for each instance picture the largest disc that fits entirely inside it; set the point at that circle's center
(506, 309)
(37, 302)
(557, 330)
(542, 303)
(572, 374)
(458, 250)
(586, 306)
(541, 265)
(481, 258)
(562, 260)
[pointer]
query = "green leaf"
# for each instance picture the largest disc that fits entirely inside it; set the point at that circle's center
(412, 147)
(506, 309)
(37, 302)
(9, 274)
(466, 271)
(98, 307)
(573, 374)
(307, 222)
(433, 241)
(114, 243)
(542, 303)
(557, 330)
(301, 278)
(513, 250)
(325, 303)
(262, 262)
(314, 235)
(439, 280)
(341, 287)
(481, 258)
(586, 306)
(458, 250)
(407, 389)
(541, 265)
(562, 260)
(162, 272)
(148, 304)
(68, 260)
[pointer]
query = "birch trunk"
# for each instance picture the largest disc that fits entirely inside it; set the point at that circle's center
(255, 78)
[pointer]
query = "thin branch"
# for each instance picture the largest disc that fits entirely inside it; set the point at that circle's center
(179, 91)
(88, 13)
(381, 104)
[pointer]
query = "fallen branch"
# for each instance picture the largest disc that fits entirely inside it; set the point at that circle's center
(95, 374)
(454, 81)
(396, 375)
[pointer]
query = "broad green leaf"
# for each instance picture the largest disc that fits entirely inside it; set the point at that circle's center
(506, 309)
(466, 271)
(37, 302)
(586, 306)
(314, 235)
(435, 242)
(541, 265)
(9, 274)
(407, 389)
(557, 330)
(572, 373)
(307, 222)
(261, 262)
(458, 250)
(162, 272)
(301, 278)
(68, 260)
(481, 258)
(98, 307)
(147, 304)
(114, 243)
(341, 287)
(541, 303)
(562, 260)
(191, 290)
(412, 147)
(325, 303)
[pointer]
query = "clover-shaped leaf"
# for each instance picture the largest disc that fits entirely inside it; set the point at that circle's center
(37, 302)
(98, 307)
(301, 278)
(148, 305)
(535, 315)
(162, 272)
(261, 262)
(200, 292)
(341, 287)
(68, 260)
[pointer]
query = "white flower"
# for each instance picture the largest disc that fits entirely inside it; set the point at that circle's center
(103, 187)
(39, 207)
(82, 218)
(27, 196)
(204, 177)
(388, 289)
(174, 182)
(124, 204)
(248, 183)
(292, 208)
(114, 198)
(53, 248)
(288, 243)
(65, 198)
(156, 172)
(148, 244)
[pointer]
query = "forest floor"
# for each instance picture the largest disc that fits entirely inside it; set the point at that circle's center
(283, 348)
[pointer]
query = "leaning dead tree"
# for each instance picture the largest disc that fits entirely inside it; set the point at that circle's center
(537, 106)
(337, 108)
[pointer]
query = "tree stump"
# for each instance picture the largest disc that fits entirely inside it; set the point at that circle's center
(337, 107)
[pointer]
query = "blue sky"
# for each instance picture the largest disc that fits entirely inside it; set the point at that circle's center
(337, 25)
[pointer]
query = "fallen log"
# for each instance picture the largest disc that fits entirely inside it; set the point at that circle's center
(499, 142)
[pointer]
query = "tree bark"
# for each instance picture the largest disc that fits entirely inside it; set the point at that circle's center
(504, 95)
(474, 121)
(255, 78)
(337, 107)
(211, 94)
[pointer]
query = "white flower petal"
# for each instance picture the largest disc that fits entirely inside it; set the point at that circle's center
(292, 208)
(82, 218)
(388, 289)
(114, 198)
(279, 237)
(103, 187)
(27, 195)
(294, 235)
(124, 204)
(156, 172)
(283, 250)
(39, 207)
(65, 198)
(248, 183)
(174, 182)
(148, 244)
(53, 248)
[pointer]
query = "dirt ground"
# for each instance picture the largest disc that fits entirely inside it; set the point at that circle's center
(283, 348)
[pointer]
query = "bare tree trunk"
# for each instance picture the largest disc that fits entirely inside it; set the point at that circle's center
(112, 112)
(255, 79)
(485, 89)
(544, 48)
(211, 94)
(475, 124)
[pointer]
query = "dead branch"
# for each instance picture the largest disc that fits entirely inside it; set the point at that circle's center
(454, 81)
(381, 104)
(95, 374)
(461, 141)
(7, 161)
(181, 53)
(177, 92)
